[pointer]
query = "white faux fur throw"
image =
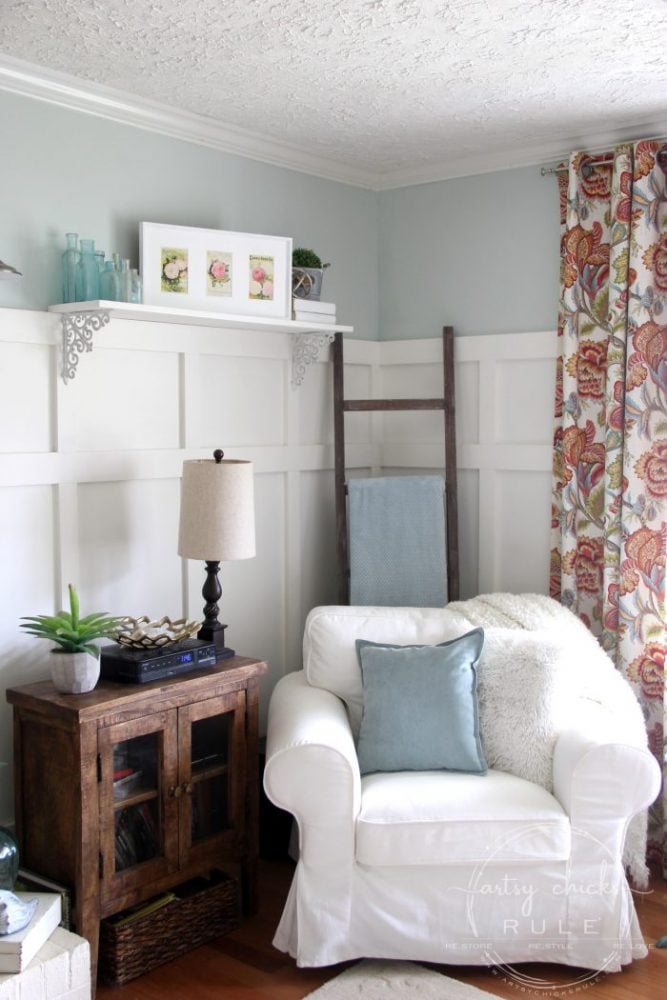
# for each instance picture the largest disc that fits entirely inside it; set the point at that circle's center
(563, 680)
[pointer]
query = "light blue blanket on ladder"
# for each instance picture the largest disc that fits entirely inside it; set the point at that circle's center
(397, 541)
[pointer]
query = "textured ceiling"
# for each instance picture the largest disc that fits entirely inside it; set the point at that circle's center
(380, 85)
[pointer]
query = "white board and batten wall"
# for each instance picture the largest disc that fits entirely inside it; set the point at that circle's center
(89, 472)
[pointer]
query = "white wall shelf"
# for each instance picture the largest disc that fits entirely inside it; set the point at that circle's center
(80, 320)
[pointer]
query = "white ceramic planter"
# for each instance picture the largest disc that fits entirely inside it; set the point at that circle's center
(74, 673)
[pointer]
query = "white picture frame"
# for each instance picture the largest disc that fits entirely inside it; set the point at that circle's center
(214, 270)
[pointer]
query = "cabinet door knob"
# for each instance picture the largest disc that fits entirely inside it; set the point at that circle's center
(187, 787)
(175, 791)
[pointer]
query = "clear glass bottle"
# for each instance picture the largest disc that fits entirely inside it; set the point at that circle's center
(70, 263)
(88, 275)
(137, 294)
(125, 281)
(99, 257)
(110, 283)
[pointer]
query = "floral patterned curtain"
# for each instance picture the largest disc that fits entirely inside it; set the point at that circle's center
(610, 446)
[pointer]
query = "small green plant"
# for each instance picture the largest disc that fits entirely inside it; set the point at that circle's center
(71, 632)
(306, 258)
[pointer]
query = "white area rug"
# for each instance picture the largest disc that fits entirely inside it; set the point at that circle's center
(378, 980)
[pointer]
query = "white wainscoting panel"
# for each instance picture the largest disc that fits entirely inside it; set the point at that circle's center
(469, 534)
(28, 543)
(521, 512)
(520, 414)
(237, 400)
(127, 544)
(26, 399)
(89, 473)
(316, 406)
(124, 400)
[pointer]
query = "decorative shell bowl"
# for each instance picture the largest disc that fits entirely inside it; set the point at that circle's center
(142, 633)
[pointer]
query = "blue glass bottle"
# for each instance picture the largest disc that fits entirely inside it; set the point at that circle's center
(70, 263)
(109, 283)
(88, 273)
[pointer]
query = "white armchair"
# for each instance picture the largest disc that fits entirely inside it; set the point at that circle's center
(452, 867)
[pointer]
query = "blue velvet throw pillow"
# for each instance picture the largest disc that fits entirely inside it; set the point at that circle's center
(420, 706)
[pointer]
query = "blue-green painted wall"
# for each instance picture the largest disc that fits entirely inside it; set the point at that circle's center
(479, 253)
(64, 171)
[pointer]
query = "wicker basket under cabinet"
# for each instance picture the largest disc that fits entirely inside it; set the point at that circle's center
(203, 910)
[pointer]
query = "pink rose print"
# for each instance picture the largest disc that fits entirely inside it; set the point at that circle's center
(261, 278)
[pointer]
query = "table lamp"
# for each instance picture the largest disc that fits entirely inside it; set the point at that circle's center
(217, 524)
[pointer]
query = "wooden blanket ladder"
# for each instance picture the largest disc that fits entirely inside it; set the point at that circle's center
(444, 403)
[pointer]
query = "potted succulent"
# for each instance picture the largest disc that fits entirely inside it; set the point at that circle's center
(75, 666)
(307, 273)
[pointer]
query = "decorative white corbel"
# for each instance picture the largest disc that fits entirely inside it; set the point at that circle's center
(77, 336)
(306, 349)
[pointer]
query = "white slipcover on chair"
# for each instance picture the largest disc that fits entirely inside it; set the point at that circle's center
(451, 867)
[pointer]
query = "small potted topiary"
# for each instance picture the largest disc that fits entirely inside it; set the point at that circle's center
(307, 273)
(75, 666)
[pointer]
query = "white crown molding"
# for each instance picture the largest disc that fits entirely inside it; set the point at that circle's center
(527, 155)
(71, 92)
(54, 87)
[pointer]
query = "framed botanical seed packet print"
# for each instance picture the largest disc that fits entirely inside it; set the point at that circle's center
(216, 271)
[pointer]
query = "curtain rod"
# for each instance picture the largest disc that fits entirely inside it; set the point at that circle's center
(598, 163)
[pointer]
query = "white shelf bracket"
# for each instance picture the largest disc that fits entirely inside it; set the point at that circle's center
(77, 336)
(306, 349)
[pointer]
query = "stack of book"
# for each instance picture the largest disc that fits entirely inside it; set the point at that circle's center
(309, 311)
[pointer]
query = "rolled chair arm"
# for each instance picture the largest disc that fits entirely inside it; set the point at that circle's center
(605, 784)
(599, 776)
(312, 769)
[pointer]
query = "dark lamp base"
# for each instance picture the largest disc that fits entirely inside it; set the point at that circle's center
(216, 635)
(224, 653)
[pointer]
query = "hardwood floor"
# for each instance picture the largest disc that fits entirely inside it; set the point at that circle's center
(243, 965)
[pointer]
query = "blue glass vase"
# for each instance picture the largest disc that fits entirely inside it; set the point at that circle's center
(9, 859)
(88, 273)
(70, 264)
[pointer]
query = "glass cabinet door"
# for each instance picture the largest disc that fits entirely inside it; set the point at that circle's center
(136, 794)
(138, 805)
(210, 776)
(212, 748)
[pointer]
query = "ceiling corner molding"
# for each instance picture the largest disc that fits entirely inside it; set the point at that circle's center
(73, 93)
(557, 148)
(54, 87)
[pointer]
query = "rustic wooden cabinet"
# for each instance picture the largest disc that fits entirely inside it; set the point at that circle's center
(126, 791)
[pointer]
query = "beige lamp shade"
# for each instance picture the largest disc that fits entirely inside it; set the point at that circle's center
(217, 510)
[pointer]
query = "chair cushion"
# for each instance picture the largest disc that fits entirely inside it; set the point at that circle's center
(439, 817)
(329, 654)
(420, 706)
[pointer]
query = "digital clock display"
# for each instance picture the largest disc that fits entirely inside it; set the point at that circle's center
(185, 657)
